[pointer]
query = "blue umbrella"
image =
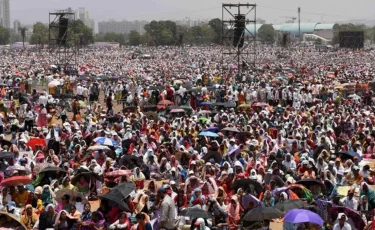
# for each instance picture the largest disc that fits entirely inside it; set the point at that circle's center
(208, 134)
(350, 154)
(212, 129)
(106, 141)
(206, 103)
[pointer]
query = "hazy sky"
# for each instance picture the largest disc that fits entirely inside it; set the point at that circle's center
(274, 11)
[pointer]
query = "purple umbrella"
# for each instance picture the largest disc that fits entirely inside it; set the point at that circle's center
(297, 216)
(212, 129)
(247, 198)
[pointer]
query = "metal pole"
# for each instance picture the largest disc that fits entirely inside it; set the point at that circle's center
(299, 23)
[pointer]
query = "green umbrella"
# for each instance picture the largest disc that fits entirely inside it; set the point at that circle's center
(203, 119)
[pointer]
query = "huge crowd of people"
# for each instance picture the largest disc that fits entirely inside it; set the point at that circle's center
(180, 139)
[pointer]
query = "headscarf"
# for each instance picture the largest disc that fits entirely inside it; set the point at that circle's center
(141, 203)
(370, 193)
(48, 195)
(234, 211)
(29, 221)
(201, 223)
(361, 204)
(67, 216)
(137, 177)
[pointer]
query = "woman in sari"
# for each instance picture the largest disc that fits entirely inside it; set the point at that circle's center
(47, 218)
(97, 222)
(368, 192)
(138, 178)
(48, 196)
(64, 204)
(220, 193)
(30, 218)
(82, 185)
(122, 223)
(364, 208)
(142, 204)
(197, 197)
(86, 214)
(233, 211)
(64, 221)
(42, 117)
(181, 200)
(268, 200)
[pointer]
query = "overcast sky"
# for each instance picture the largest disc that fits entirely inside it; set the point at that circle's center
(274, 11)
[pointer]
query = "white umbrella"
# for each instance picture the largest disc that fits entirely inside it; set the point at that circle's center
(53, 83)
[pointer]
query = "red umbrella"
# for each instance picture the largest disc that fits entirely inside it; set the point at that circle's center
(16, 181)
(36, 141)
(118, 173)
(165, 102)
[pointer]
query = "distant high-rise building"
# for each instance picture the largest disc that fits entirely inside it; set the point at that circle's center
(83, 15)
(16, 26)
(5, 13)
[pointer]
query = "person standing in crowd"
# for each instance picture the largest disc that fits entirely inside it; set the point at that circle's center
(167, 210)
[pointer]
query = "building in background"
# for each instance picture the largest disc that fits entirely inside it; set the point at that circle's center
(83, 15)
(5, 13)
(121, 27)
(16, 26)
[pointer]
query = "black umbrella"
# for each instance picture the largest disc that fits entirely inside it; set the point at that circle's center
(53, 169)
(212, 155)
(308, 182)
(116, 197)
(87, 176)
(287, 205)
(125, 188)
(195, 213)
(268, 177)
(119, 193)
(262, 213)
(131, 159)
(246, 183)
(5, 155)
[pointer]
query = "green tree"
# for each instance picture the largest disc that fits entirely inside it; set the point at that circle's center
(4, 36)
(217, 26)
(318, 41)
(134, 38)
(267, 33)
(83, 34)
(40, 34)
(15, 37)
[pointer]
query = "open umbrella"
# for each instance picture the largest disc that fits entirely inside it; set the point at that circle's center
(53, 169)
(53, 83)
(98, 147)
(287, 205)
(245, 183)
(206, 103)
(151, 115)
(212, 129)
(87, 176)
(177, 111)
(297, 216)
(115, 196)
(203, 119)
(165, 102)
(230, 105)
(118, 173)
(354, 218)
(19, 225)
(36, 141)
(195, 213)
(105, 141)
(269, 176)
(208, 134)
(231, 129)
(262, 213)
(6, 155)
(16, 181)
(348, 155)
(308, 182)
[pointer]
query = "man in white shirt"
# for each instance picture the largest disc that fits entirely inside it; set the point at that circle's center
(349, 201)
(79, 91)
(342, 224)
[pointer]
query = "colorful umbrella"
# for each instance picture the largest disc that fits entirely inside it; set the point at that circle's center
(208, 134)
(177, 111)
(16, 181)
(118, 173)
(105, 141)
(297, 216)
(98, 147)
(165, 102)
(36, 141)
(203, 119)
